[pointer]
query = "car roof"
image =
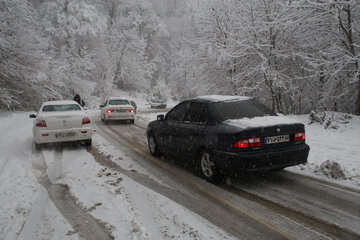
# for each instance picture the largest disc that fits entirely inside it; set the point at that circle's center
(59, 102)
(221, 98)
(117, 98)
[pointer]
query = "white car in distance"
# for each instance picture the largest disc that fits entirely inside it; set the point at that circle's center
(116, 108)
(61, 121)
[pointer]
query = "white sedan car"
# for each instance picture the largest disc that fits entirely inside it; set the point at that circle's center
(61, 121)
(117, 109)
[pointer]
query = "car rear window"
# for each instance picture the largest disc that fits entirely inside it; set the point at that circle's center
(242, 109)
(60, 108)
(119, 102)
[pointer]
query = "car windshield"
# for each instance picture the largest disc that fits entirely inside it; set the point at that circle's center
(119, 102)
(242, 109)
(61, 108)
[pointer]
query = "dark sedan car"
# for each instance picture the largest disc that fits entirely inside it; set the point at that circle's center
(228, 135)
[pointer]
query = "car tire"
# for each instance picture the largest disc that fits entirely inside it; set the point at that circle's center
(208, 168)
(37, 146)
(132, 121)
(102, 118)
(88, 142)
(153, 146)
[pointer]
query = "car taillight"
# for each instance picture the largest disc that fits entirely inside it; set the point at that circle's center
(85, 120)
(299, 136)
(131, 110)
(248, 142)
(110, 111)
(40, 123)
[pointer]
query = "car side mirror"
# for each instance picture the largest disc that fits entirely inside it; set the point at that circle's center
(32, 116)
(160, 117)
(101, 106)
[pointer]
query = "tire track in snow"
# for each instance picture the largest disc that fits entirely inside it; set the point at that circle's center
(254, 212)
(334, 231)
(82, 222)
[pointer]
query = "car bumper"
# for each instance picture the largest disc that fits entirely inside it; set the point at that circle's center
(262, 160)
(65, 135)
(120, 116)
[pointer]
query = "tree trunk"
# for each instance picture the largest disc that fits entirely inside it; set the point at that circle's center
(269, 84)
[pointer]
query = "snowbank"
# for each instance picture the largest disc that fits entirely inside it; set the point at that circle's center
(334, 147)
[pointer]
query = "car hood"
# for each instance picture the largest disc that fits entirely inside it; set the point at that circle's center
(256, 122)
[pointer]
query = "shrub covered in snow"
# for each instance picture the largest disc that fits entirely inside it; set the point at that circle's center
(331, 169)
(329, 119)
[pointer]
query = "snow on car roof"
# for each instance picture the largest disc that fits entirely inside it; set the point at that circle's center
(59, 102)
(221, 98)
(265, 121)
(117, 98)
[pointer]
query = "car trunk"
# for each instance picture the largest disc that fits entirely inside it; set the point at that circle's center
(121, 108)
(276, 133)
(63, 121)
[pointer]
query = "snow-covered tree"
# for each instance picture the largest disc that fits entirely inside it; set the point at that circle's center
(297, 55)
(22, 56)
(76, 61)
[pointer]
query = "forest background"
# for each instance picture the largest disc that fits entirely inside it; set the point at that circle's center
(294, 55)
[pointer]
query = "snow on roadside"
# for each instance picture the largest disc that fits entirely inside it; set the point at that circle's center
(26, 211)
(334, 151)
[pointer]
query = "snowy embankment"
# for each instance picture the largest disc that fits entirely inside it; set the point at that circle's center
(26, 211)
(334, 140)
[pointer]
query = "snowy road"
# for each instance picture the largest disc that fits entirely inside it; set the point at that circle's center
(279, 204)
(117, 190)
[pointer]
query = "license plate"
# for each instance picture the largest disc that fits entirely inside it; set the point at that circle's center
(277, 139)
(65, 135)
(121, 110)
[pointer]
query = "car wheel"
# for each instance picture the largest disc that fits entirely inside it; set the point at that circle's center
(88, 143)
(38, 146)
(208, 168)
(102, 118)
(132, 121)
(153, 147)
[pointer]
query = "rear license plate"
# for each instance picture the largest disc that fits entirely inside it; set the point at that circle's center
(277, 139)
(65, 135)
(121, 110)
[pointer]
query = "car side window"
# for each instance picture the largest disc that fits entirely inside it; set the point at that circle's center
(204, 115)
(105, 102)
(177, 113)
(192, 115)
